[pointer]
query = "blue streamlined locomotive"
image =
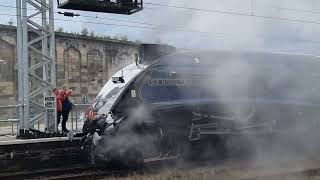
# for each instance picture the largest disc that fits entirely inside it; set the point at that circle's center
(167, 106)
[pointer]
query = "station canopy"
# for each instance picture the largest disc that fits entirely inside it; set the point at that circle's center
(106, 6)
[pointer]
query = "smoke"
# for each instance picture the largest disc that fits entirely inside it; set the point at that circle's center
(207, 30)
(272, 98)
(232, 80)
(277, 93)
(282, 92)
(236, 32)
(136, 133)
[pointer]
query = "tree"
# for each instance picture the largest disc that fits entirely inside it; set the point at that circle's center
(124, 38)
(92, 34)
(11, 22)
(60, 29)
(120, 37)
(116, 37)
(84, 31)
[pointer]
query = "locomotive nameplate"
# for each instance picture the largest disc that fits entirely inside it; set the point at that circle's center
(173, 82)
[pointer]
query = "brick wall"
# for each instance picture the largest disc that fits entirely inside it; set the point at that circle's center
(83, 63)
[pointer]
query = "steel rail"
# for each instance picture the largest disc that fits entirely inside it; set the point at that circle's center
(85, 171)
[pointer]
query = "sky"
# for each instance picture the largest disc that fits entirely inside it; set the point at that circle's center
(198, 29)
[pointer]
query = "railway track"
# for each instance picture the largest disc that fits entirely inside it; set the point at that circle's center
(304, 174)
(278, 170)
(76, 172)
(235, 169)
(82, 171)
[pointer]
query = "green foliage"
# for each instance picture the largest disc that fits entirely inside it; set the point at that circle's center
(124, 38)
(92, 34)
(120, 37)
(11, 22)
(85, 32)
(60, 29)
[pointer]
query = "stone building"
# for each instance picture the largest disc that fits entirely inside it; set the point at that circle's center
(86, 63)
(83, 63)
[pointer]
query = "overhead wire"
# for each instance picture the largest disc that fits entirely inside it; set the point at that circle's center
(198, 9)
(297, 10)
(235, 13)
(124, 25)
(156, 28)
(102, 18)
(170, 28)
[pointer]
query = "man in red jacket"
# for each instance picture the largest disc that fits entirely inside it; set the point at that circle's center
(62, 96)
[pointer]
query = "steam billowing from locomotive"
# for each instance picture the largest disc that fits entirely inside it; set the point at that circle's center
(184, 101)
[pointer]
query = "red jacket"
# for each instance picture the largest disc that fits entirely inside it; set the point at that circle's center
(61, 95)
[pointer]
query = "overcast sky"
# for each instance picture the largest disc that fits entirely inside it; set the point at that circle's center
(216, 30)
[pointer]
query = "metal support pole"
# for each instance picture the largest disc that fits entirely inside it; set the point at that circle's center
(76, 120)
(52, 51)
(52, 44)
(72, 117)
(34, 86)
(25, 65)
(44, 51)
(20, 66)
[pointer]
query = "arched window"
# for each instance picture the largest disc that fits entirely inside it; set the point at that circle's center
(95, 67)
(72, 62)
(6, 62)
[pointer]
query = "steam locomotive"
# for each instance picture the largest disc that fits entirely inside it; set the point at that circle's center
(187, 98)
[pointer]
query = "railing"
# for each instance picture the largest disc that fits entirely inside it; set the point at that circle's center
(9, 115)
(9, 119)
(75, 116)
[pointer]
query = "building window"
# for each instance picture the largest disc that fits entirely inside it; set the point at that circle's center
(6, 62)
(95, 67)
(72, 62)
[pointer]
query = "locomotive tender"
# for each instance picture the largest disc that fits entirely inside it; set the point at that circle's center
(167, 106)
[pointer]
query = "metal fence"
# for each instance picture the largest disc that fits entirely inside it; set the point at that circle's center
(75, 117)
(9, 119)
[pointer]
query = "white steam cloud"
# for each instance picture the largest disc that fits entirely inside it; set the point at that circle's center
(236, 31)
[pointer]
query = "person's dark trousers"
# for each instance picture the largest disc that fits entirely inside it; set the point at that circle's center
(59, 113)
(65, 115)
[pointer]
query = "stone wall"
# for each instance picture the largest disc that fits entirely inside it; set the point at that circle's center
(83, 63)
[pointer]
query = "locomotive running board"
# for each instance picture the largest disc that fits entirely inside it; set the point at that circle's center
(196, 130)
(148, 160)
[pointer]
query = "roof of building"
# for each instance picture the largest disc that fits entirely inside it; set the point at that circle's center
(77, 36)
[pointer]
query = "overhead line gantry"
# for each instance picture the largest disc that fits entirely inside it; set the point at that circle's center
(37, 74)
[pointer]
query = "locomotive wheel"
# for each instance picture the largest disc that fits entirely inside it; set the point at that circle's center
(130, 158)
(133, 159)
(207, 149)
